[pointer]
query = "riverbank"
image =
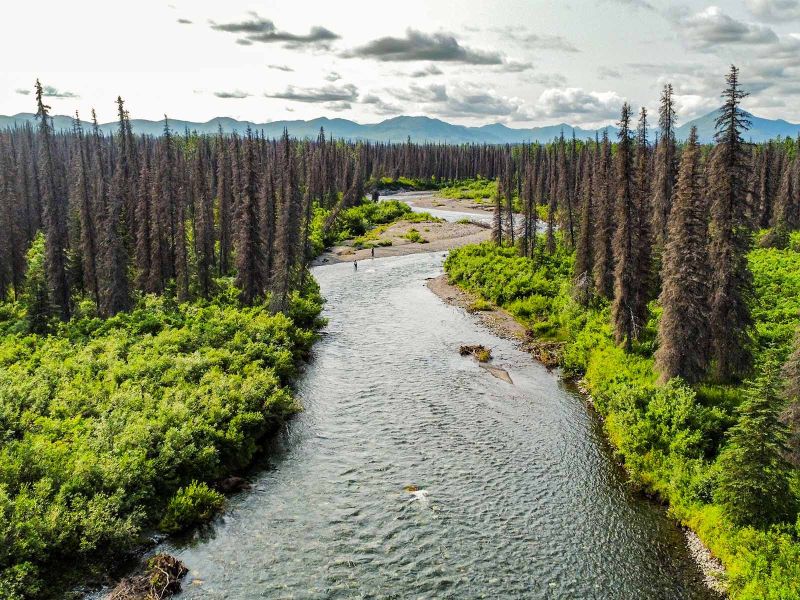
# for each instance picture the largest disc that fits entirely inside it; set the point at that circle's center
(505, 325)
(668, 435)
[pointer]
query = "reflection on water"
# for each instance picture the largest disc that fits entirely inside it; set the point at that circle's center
(413, 473)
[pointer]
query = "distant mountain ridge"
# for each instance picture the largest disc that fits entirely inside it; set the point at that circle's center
(419, 129)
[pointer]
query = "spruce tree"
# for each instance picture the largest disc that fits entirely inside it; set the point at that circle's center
(644, 279)
(731, 280)
(665, 168)
(54, 221)
(246, 233)
(604, 222)
(753, 486)
(497, 218)
(683, 333)
(625, 313)
(224, 203)
(582, 276)
(203, 224)
(791, 391)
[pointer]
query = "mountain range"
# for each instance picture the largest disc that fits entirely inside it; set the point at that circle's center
(419, 129)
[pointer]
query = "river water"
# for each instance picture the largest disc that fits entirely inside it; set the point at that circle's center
(519, 494)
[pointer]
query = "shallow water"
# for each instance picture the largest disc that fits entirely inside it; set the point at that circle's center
(523, 499)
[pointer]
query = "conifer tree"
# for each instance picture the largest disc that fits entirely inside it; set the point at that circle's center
(583, 253)
(203, 225)
(246, 239)
(791, 392)
(731, 280)
(225, 203)
(114, 284)
(497, 219)
(13, 242)
(665, 168)
(55, 222)
(683, 333)
(82, 192)
(644, 279)
(625, 313)
(753, 487)
(508, 192)
(604, 222)
(144, 216)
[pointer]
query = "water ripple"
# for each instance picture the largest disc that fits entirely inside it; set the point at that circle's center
(520, 496)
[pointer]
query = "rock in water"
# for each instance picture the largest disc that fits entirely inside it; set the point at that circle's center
(232, 484)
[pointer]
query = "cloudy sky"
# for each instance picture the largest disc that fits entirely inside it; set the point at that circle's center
(518, 62)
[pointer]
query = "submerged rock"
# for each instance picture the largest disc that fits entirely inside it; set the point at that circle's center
(230, 485)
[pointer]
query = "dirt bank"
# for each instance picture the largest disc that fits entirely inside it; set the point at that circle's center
(497, 320)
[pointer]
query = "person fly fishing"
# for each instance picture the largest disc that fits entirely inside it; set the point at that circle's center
(355, 265)
(373, 251)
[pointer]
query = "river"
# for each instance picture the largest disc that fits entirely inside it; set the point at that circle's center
(519, 496)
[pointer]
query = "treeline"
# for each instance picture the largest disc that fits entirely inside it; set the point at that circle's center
(129, 214)
(663, 221)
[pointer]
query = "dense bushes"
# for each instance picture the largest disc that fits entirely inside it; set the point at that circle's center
(104, 421)
(191, 505)
(676, 440)
(474, 189)
(352, 222)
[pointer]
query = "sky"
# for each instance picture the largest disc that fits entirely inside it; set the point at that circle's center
(521, 63)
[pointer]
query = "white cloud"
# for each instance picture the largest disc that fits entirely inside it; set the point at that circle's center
(711, 28)
(577, 105)
(775, 11)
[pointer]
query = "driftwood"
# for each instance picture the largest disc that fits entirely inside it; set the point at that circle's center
(482, 353)
(161, 579)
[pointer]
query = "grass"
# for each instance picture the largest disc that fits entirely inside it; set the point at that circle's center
(470, 189)
(414, 236)
(479, 304)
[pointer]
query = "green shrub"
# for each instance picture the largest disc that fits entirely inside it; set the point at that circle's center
(414, 236)
(191, 505)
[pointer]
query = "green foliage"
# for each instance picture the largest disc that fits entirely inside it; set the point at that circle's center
(414, 236)
(36, 297)
(403, 183)
(103, 421)
(479, 304)
(776, 275)
(353, 222)
(473, 189)
(753, 486)
(670, 436)
(364, 223)
(190, 506)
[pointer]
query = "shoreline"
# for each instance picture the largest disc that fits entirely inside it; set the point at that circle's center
(503, 324)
